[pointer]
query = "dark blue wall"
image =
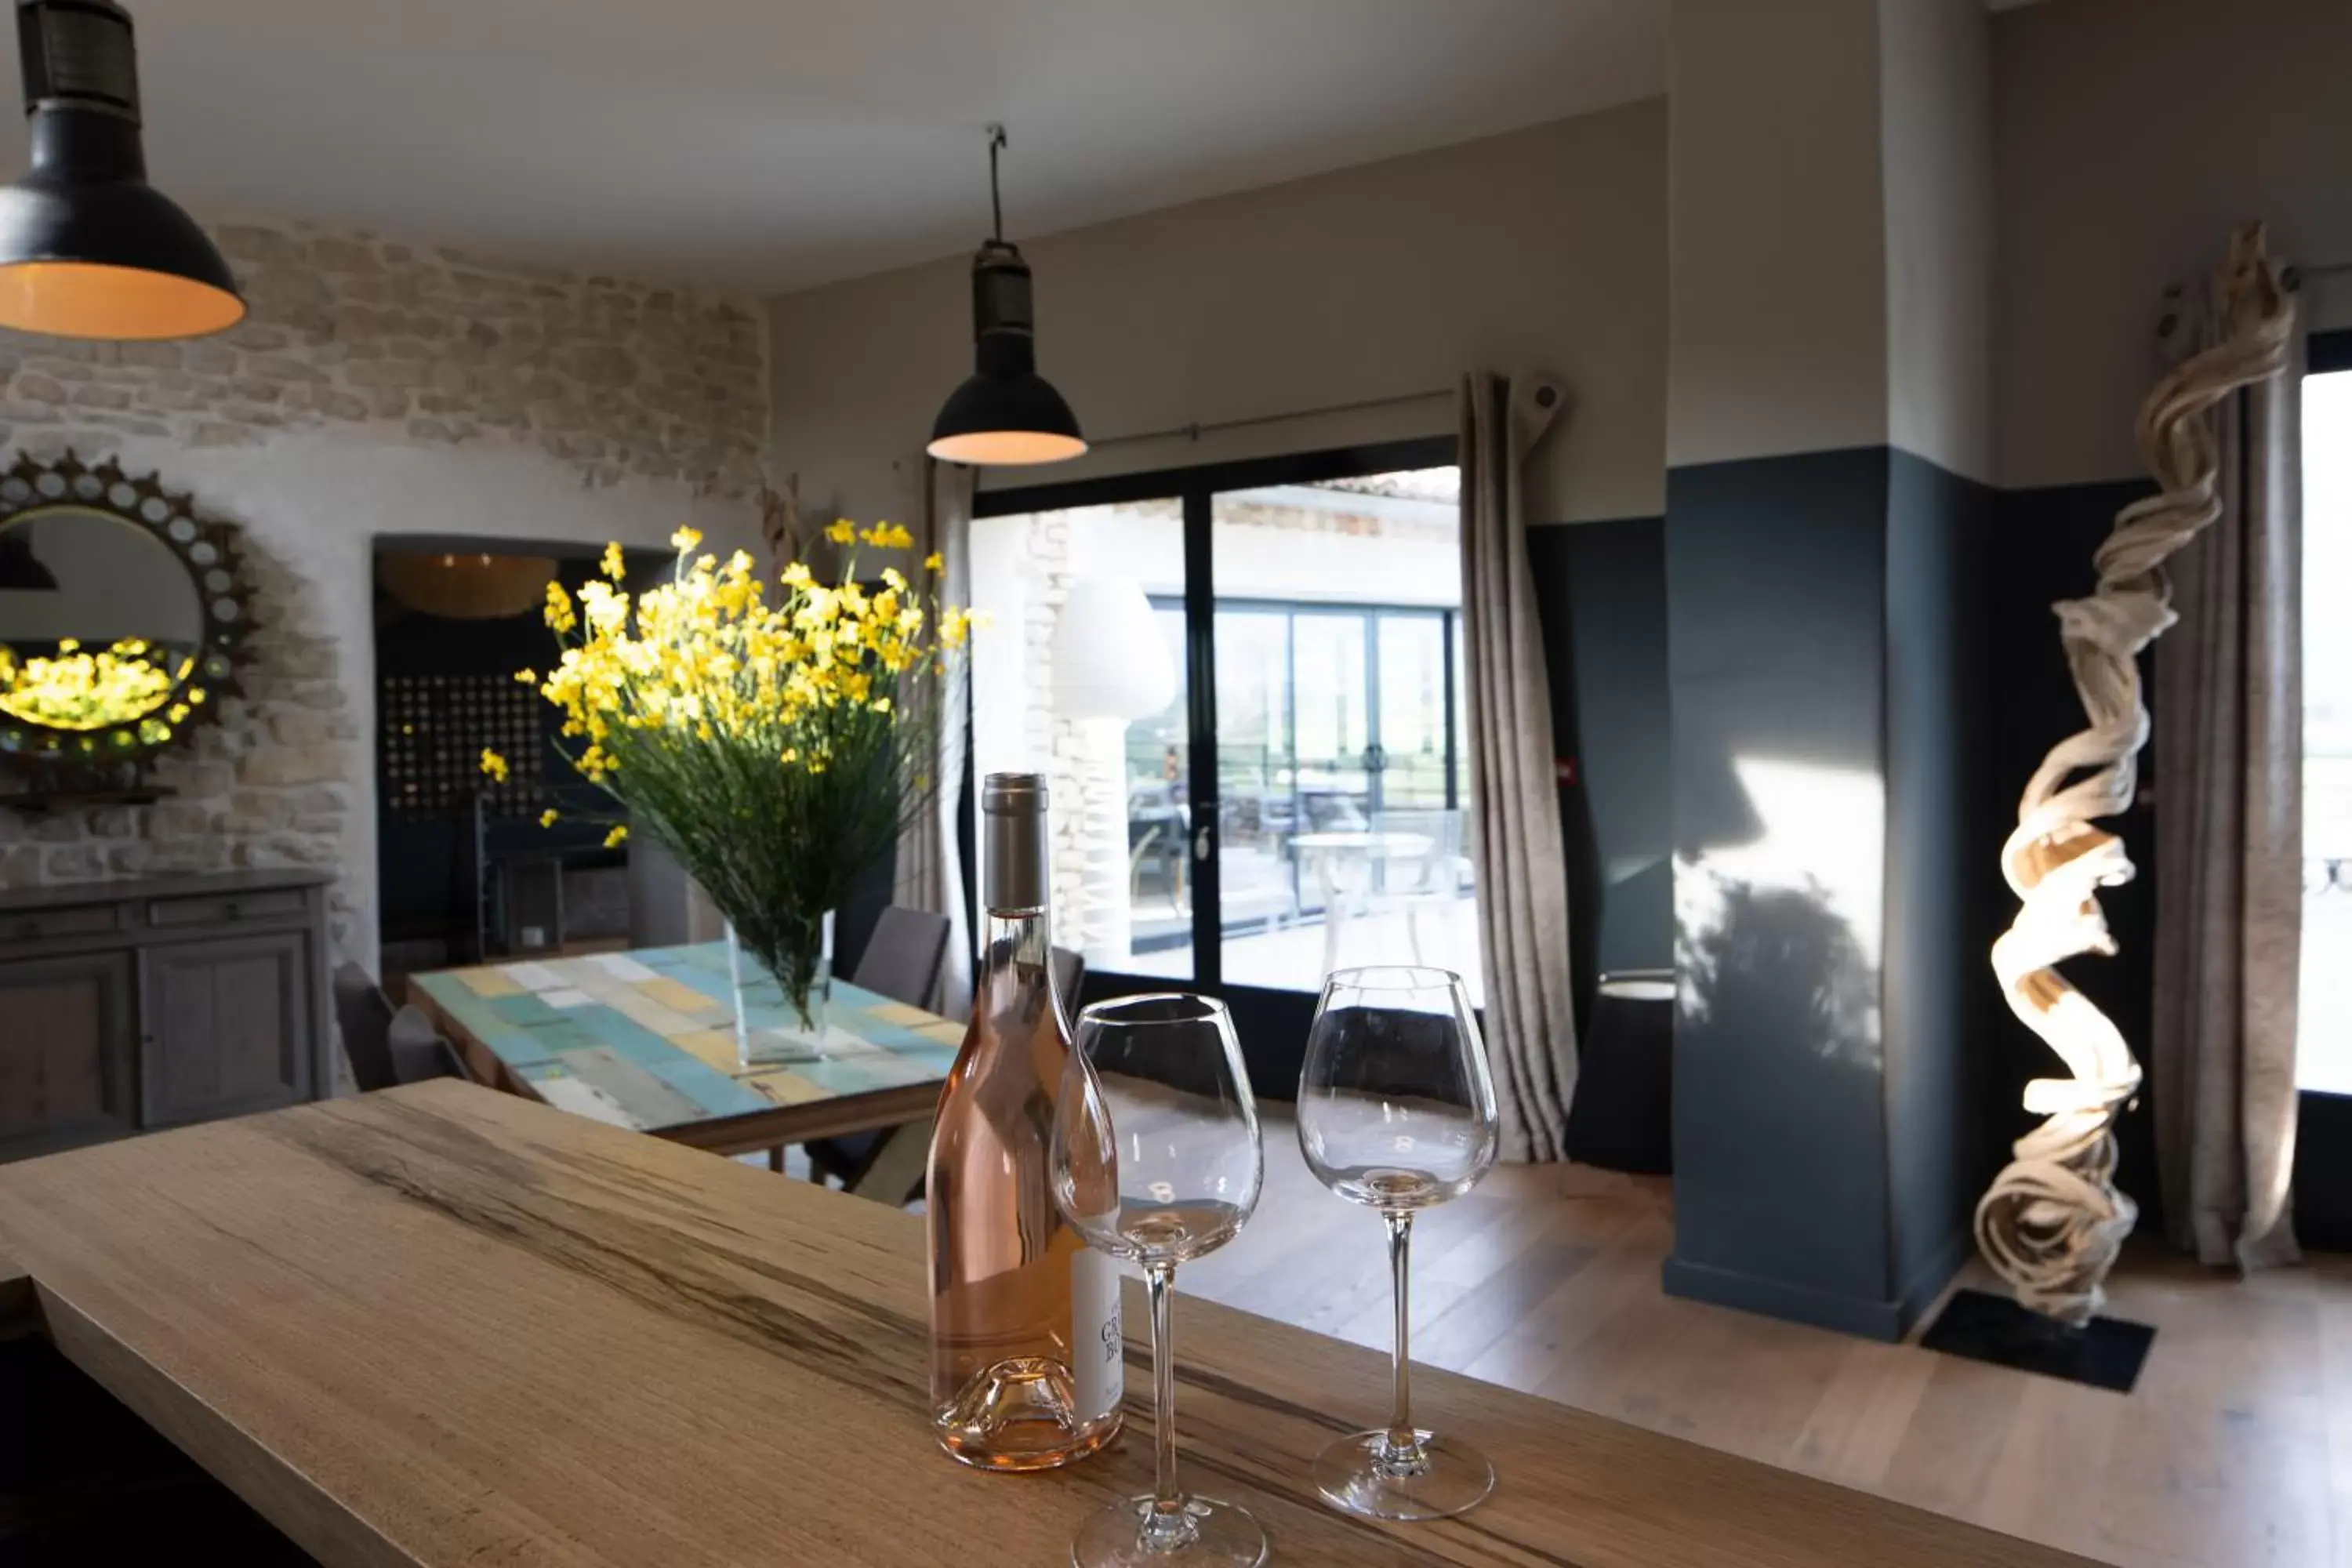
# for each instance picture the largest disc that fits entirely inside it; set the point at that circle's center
(1941, 872)
(1776, 597)
(1602, 590)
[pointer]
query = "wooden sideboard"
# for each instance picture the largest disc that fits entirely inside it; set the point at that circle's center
(132, 1006)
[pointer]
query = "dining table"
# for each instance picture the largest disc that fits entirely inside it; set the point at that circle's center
(645, 1041)
(441, 1325)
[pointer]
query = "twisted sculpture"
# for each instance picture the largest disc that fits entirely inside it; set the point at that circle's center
(2052, 1221)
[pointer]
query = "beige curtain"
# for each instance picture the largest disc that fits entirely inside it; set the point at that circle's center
(2229, 828)
(1515, 800)
(930, 872)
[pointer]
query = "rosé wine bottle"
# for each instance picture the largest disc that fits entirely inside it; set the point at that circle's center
(1026, 1354)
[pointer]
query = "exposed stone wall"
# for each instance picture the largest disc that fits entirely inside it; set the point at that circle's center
(376, 387)
(417, 344)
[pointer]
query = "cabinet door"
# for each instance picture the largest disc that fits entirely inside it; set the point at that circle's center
(226, 1026)
(65, 1052)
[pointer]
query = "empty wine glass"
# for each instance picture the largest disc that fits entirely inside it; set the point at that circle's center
(1156, 1159)
(1396, 1113)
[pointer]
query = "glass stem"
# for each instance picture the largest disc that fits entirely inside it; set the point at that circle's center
(1168, 1525)
(1403, 1455)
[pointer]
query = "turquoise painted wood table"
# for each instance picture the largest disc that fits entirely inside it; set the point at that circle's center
(645, 1041)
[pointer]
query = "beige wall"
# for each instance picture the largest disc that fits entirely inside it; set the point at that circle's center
(1935, 104)
(1777, 165)
(2130, 135)
(1545, 248)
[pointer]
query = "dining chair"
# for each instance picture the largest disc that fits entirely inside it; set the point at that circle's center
(1069, 974)
(388, 1047)
(419, 1051)
(902, 961)
(902, 958)
(365, 1015)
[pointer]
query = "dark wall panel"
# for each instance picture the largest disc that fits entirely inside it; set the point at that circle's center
(1940, 869)
(1776, 609)
(1601, 590)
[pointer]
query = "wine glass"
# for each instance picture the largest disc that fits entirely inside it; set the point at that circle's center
(1396, 1113)
(1156, 1159)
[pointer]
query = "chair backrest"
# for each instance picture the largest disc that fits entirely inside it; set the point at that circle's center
(1434, 872)
(902, 958)
(418, 1051)
(364, 1014)
(1069, 974)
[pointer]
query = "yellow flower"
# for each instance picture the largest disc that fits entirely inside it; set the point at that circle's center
(685, 539)
(546, 817)
(495, 765)
(614, 839)
(527, 677)
(935, 562)
(613, 565)
(558, 608)
(842, 531)
(890, 536)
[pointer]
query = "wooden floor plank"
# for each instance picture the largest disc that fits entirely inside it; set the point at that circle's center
(2236, 1451)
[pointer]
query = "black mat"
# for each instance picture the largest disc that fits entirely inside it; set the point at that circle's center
(2105, 1352)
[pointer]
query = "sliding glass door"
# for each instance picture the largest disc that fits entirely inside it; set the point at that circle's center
(1282, 791)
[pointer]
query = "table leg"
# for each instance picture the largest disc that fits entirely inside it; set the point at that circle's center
(897, 1164)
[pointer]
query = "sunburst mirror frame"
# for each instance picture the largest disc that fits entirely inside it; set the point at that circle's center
(114, 759)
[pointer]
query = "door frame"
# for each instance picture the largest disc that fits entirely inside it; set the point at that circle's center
(1272, 1023)
(2323, 1145)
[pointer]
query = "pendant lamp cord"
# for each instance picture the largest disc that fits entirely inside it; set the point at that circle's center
(995, 198)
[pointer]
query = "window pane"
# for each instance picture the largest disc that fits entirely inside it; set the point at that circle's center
(2324, 1025)
(1116, 760)
(1413, 712)
(1332, 714)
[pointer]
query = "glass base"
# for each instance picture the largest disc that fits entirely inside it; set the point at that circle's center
(1442, 1477)
(1207, 1535)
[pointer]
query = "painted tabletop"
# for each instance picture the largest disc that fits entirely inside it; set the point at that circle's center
(646, 1040)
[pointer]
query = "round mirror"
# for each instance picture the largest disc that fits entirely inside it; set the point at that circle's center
(100, 621)
(113, 633)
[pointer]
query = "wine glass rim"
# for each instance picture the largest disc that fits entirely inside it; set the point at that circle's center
(1390, 977)
(1107, 1010)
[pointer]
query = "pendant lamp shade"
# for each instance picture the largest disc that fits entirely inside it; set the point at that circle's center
(1004, 413)
(87, 248)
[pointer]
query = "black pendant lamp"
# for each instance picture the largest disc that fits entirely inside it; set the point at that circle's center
(87, 248)
(1005, 412)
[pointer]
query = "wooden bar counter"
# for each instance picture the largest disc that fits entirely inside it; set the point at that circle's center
(444, 1325)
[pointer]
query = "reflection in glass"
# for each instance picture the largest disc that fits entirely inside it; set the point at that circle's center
(1339, 765)
(99, 623)
(1121, 786)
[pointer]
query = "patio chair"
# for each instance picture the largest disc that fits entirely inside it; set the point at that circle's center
(1430, 882)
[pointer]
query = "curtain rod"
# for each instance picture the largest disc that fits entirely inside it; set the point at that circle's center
(1195, 431)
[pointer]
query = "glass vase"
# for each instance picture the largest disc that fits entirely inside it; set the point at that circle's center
(781, 1017)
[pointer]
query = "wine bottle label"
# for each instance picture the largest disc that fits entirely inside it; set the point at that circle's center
(1097, 1341)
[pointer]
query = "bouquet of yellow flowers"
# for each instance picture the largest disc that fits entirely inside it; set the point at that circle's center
(777, 747)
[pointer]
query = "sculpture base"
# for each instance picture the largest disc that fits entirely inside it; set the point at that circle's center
(2105, 1352)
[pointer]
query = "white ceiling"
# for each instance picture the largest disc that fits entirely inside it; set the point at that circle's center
(771, 144)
